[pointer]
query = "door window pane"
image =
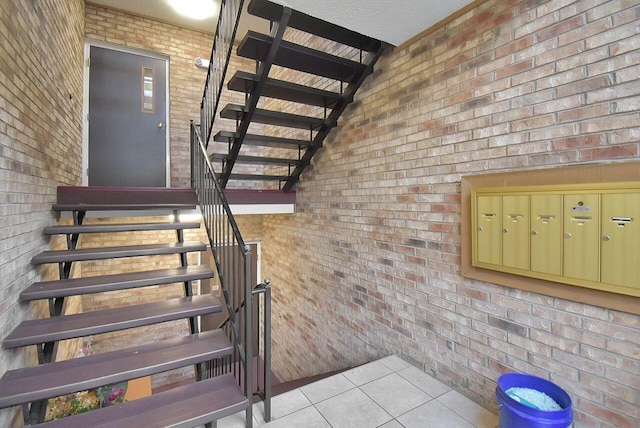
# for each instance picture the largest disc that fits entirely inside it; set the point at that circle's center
(148, 78)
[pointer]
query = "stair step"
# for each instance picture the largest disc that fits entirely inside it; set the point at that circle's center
(273, 88)
(65, 377)
(102, 253)
(107, 228)
(273, 12)
(104, 198)
(262, 140)
(256, 46)
(255, 159)
(270, 117)
(121, 281)
(182, 407)
(254, 177)
(31, 332)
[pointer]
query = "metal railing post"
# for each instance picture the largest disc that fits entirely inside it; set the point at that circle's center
(267, 350)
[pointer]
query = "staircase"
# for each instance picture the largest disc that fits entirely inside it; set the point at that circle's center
(288, 139)
(196, 403)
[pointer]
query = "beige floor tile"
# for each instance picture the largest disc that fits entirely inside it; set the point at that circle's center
(327, 388)
(426, 383)
(367, 373)
(433, 415)
(353, 409)
(469, 410)
(308, 418)
(395, 394)
(395, 363)
(282, 405)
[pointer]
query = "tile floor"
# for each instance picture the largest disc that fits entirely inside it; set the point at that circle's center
(388, 393)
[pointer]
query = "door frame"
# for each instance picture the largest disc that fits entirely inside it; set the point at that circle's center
(85, 103)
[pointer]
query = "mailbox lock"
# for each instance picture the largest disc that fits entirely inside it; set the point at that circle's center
(606, 238)
(567, 235)
(534, 233)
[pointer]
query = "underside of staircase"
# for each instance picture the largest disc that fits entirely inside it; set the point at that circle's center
(293, 98)
(200, 402)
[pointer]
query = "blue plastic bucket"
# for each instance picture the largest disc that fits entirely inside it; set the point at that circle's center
(514, 414)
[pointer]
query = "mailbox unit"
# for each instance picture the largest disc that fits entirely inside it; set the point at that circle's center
(585, 235)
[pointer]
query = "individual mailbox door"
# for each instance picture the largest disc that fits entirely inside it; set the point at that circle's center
(581, 237)
(515, 231)
(489, 233)
(546, 234)
(621, 239)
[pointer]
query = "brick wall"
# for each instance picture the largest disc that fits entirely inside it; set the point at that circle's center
(370, 263)
(40, 146)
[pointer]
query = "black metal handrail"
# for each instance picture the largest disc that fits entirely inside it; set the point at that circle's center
(230, 11)
(233, 262)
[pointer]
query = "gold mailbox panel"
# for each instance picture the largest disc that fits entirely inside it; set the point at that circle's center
(515, 231)
(620, 243)
(581, 237)
(546, 234)
(489, 230)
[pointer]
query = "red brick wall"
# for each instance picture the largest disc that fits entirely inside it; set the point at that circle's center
(40, 147)
(370, 263)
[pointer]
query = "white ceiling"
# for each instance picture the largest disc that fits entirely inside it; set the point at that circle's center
(393, 21)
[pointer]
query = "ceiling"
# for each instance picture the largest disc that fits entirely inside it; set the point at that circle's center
(393, 21)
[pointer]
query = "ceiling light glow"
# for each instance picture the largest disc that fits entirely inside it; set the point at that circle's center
(194, 9)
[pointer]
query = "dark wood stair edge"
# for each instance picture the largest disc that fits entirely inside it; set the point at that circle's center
(102, 253)
(185, 406)
(117, 227)
(251, 196)
(32, 332)
(284, 90)
(120, 281)
(121, 207)
(301, 58)
(46, 381)
(113, 195)
(262, 140)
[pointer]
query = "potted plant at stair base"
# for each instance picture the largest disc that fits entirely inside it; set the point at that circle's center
(85, 401)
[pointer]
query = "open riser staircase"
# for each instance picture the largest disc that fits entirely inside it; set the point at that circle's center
(196, 403)
(222, 359)
(295, 96)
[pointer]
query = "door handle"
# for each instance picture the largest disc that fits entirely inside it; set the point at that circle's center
(160, 125)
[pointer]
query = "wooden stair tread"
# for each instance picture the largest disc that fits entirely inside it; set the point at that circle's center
(273, 88)
(121, 281)
(111, 196)
(32, 332)
(270, 117)
(102, 253)
(118, 227)
(182, 407)
(256, 177)
(51, 380)
(261, 160)
(273, 12)
(262, 140)
(256, 46)
(121, 207)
